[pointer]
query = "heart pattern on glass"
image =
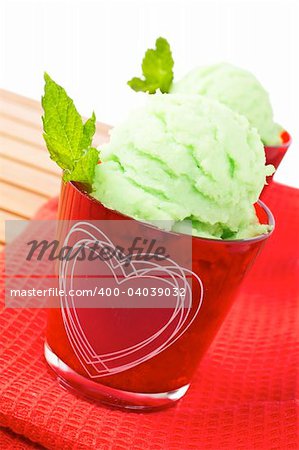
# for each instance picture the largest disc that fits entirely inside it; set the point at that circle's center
(112, 340)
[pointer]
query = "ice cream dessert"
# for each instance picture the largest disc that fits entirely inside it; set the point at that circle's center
(187, 161)
(234, 87)
(180, 160)
(185, 158)
(239, 90)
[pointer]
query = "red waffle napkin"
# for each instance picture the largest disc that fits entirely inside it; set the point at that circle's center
(242, 397)
(12, 441)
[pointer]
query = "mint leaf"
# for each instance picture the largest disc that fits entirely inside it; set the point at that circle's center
(67, 138)
(63, 127)
(89, 129)
(84, 168)
(58, 153)
(157, 69)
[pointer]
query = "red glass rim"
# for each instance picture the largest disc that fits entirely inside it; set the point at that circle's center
(259, 204)
(286, 141)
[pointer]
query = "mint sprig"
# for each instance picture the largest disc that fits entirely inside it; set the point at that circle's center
(84, 167)
(157, 69)
(68, 139)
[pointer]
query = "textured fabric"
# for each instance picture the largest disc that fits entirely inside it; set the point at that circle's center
(244, 393)
(12, 441)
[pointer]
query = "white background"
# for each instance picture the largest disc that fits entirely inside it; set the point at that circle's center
(93, 47)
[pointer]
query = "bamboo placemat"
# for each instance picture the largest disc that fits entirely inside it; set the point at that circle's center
(28, 176)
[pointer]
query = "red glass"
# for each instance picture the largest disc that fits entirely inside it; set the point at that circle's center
(163, 379)
(275, 154)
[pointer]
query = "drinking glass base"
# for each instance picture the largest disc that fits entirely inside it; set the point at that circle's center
(107, 395)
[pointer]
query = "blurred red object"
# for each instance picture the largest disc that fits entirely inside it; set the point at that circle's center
(275, 154)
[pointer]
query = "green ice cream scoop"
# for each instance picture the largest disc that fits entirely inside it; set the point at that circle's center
(239, 90)
(185, 159)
